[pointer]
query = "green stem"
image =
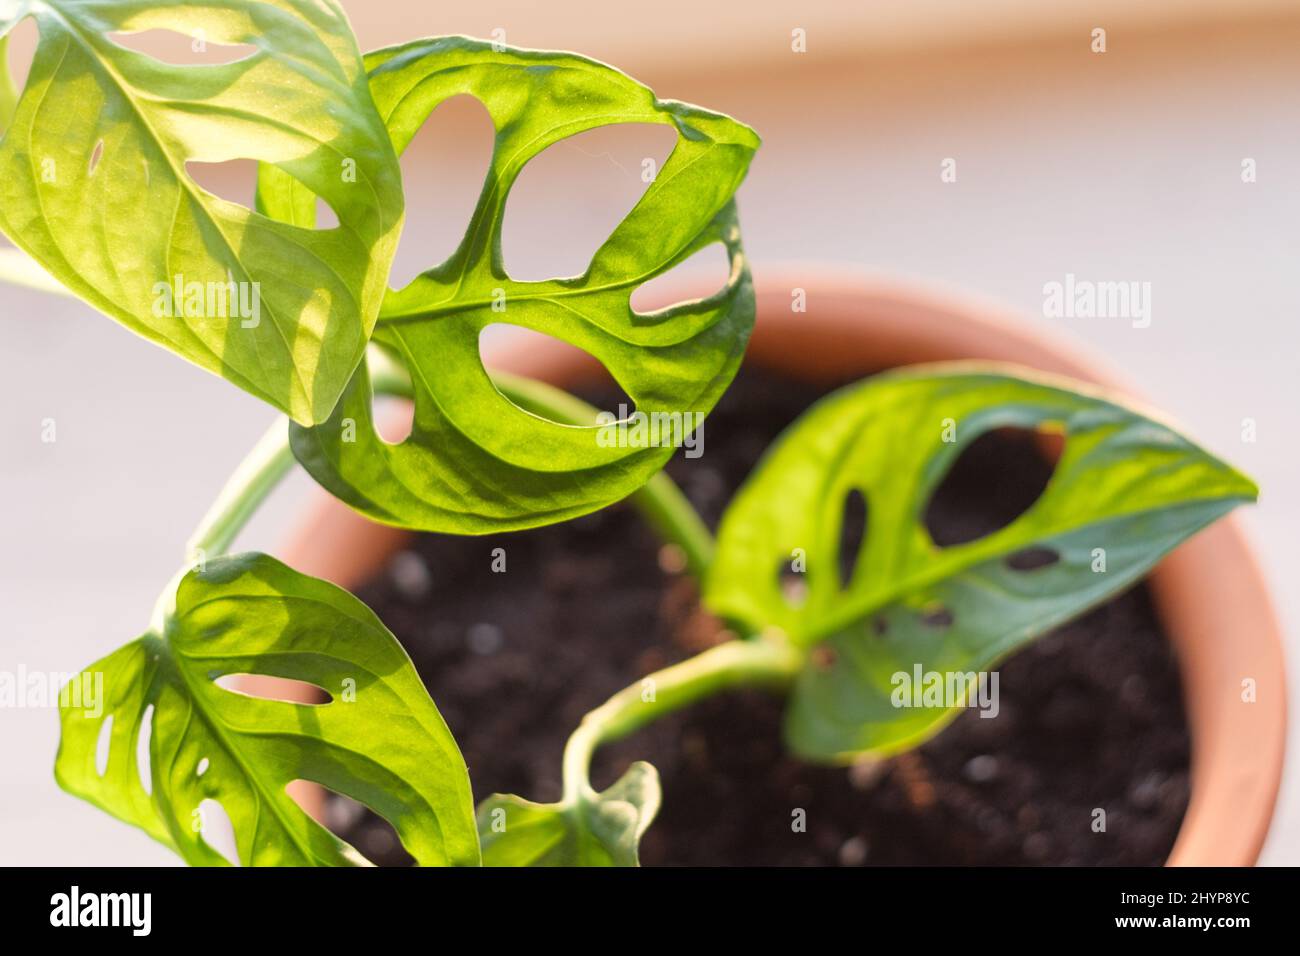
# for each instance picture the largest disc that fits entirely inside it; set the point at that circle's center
(737, 663)
(265, 466)
(255, 478)
(387, 375)
(667, 510)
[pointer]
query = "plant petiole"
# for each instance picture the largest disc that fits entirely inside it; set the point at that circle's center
(265, 466)
(767, 660)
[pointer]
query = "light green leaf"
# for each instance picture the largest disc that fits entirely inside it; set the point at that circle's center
(94, 185)
(603, 829)
(475, 461)
(8, 95)
(379, 740)
(1124, 483)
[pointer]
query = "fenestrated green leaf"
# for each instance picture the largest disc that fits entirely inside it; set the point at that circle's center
(1124, 483)
(475, 462)
(603, 830)
(93, 184)
(379, 739)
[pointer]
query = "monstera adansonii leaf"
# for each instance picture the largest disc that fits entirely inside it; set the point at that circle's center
(602, 829)
(94, 185)
(1125, 490)
(475, 462)
(378, 739)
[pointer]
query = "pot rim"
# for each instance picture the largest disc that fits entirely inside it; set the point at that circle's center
(856, 323)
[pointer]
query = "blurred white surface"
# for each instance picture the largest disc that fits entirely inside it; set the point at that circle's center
(1123, 166)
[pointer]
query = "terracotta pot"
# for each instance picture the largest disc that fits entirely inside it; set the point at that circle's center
(1209, 593)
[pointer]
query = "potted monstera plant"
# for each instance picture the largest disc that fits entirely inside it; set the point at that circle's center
(1084, 756)
(879, 630)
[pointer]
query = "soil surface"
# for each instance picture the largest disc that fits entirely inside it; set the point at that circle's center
(1091, 715)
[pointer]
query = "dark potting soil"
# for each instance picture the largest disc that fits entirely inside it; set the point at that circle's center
(1091, 716)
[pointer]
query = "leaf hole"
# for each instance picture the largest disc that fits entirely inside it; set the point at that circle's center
(143, 764)
(853, 532)
(21, 51)
(994, 480)
(367, 832)
(936, 616)
(326, 217)
(202, 768)
(182, 49)
(570, 197)
(822, 657)
(793, 584)
(322, 216)
(103, 745)
(393, 417)
(216, 830)
(234, 180)
(264, 687)
(701, 270)
(95, 155)
(443, 170)
(1031, 559)
(586, 374)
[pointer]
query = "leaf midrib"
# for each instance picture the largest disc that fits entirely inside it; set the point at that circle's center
(854, 611)
(264, 796)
